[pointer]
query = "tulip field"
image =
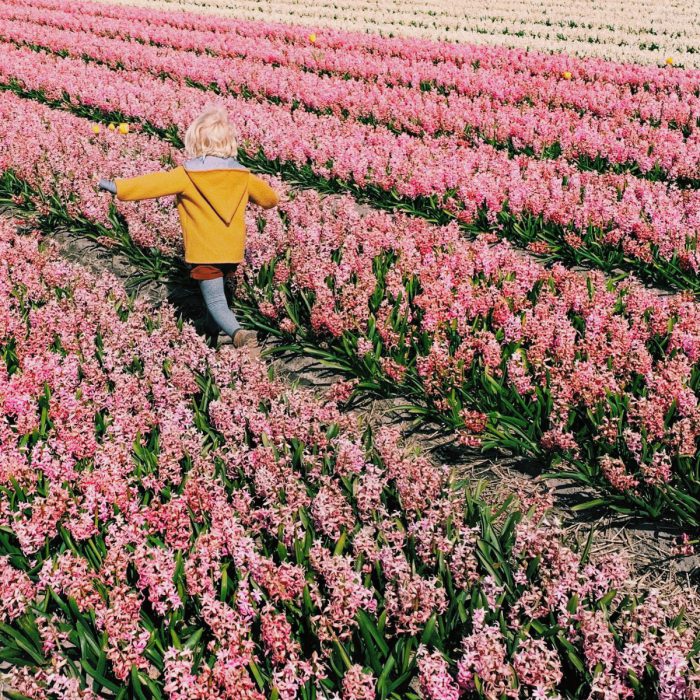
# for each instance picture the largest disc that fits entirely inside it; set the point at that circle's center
(500, 239)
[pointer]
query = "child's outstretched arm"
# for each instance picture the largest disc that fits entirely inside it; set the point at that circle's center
(261, 193)
(148, 186)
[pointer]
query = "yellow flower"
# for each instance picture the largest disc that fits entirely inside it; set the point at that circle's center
(123, 128)
(669, 61)
(95, 128)
(566, 75)
(111, 126)
(312, 38)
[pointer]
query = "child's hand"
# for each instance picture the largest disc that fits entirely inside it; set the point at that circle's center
(107, 185)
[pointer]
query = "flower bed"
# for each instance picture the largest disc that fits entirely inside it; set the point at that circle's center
(542, 130)
(546, 363)
(220, 29)
(216, 534)
(610, 220)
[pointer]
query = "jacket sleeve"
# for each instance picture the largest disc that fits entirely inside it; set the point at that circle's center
(149, 186)
(261, 193)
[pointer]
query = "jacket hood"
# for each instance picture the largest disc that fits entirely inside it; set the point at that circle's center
(222, 189)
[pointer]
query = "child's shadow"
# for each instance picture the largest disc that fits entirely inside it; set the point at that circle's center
(183, 294)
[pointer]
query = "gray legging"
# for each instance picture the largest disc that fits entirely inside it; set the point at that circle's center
(219, 312)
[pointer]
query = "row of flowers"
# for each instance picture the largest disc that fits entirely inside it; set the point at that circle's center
(219, 31)
(610, 220)
(623, 32)
(177, 524)
(540, 130)
(508, 354)
(595, 87)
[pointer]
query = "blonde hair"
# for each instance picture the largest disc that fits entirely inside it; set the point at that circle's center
(211, 134)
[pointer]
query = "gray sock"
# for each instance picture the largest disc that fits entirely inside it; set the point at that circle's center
(215, 300)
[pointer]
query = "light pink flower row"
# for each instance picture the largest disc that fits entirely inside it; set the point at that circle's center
(442, 63)
(636, 214)
(482, 114)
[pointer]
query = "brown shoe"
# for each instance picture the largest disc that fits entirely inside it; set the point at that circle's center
(242, 338)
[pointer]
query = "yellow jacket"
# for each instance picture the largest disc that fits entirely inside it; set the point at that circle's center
(211, 205)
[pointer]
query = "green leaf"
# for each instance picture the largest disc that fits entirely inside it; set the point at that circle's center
(343, 654)
(382, 679)
(23, 643)
(429, 630)
(136, 684)
(607, 598)
(257, 675)
(593, 503)
(194, 638)
(340, 545)
(102, 680)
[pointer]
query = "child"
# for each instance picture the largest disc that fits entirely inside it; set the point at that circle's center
(212, 190)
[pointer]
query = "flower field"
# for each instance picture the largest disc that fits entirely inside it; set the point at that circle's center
(568, 201)
(486, 341)
(177, 522)
(217, 534)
